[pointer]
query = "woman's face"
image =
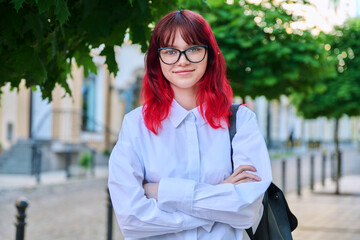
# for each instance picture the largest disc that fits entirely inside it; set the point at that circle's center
(183, 75)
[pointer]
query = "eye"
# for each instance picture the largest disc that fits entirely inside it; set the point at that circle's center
(169, 52)
(194, 49)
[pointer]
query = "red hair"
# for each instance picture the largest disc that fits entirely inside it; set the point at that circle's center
(214, 94)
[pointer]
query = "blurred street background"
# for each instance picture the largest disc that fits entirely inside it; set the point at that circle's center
(70, 71)
(76, 208)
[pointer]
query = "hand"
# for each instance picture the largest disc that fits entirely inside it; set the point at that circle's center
(151, 190)
(241, 175)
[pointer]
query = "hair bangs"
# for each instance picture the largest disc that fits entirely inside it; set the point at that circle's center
(189, 31)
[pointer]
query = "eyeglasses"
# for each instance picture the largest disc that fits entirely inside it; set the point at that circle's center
(194, 54)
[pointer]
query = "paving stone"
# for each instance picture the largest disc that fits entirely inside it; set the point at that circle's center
(60, 212)
(325, 215)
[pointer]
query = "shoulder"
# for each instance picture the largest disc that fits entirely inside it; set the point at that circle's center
(132, 125)
(244, 113)
(134, 115)
(133, 120)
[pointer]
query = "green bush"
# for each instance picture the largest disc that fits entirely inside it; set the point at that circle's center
(85, 159)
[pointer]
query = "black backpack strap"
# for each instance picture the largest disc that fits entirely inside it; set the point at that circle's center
(232, 120)
(232, 132)
(232, 127)
(250, 233)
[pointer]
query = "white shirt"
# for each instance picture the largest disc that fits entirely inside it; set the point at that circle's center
(188, 158)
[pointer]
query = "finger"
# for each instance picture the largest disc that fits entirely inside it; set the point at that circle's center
(242, 168)
(244, 181)
(245, 175)
(230, 179)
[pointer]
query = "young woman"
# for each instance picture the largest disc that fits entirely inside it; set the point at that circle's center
(170, 173)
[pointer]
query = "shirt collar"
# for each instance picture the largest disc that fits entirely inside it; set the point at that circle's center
(178, 114)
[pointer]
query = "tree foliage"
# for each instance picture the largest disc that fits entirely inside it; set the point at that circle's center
(341, 94)
(264, 55)
(40, 38)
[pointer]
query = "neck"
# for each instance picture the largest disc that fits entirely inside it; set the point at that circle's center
(185, 98)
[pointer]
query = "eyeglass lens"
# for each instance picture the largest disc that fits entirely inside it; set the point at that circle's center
(193, 54)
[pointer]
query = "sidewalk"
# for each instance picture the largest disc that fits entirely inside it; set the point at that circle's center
(18, 181)
(59, 208)
(324, 215)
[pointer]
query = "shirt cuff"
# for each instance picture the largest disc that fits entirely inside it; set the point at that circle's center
(176, 194)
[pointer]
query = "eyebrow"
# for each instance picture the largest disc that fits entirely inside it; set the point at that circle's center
(188, 46)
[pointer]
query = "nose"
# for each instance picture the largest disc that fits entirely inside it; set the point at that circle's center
(183, 60)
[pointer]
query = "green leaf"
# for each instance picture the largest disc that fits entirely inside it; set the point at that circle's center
(110, 59)
(33, 22)
(215, 3)
(44, 5)
(31, 65)
(143, 5)
(270, 81)
(83, 58)
(17, 4)
(61, 11)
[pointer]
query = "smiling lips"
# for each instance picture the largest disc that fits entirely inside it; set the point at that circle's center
(184, 72)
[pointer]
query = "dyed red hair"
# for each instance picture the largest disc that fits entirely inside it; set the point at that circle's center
(214, 94)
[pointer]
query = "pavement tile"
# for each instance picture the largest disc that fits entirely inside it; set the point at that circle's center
(324, 215)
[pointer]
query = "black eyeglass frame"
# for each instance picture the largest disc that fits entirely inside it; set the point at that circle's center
(182, 52)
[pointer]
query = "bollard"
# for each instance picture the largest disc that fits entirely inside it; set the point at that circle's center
(38, 165)
(338, 171)
(298, 160)
(33, 157)
(312, 172)
(283, 170)
(333, 166)
(109, 216)
(67, 163)
(340, 164)
(323, 166)
(21, 205)
(93, 163)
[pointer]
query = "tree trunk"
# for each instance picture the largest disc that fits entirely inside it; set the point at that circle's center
(338, 156)
(268, 124)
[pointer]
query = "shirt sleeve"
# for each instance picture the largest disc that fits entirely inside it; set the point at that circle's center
(138, 216)
(239, 206)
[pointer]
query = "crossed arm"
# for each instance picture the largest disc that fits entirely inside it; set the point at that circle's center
(182, 204)
(241, 175)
